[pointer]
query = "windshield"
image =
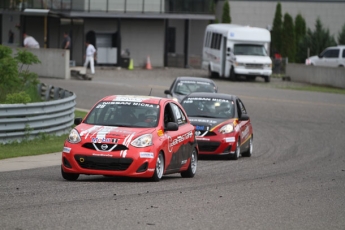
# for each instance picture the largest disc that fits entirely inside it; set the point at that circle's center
(208, 107)
(187, 87)
(124, 114)
(249, 49)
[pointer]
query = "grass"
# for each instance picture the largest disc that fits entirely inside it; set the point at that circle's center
(314, 88)
(41, 145)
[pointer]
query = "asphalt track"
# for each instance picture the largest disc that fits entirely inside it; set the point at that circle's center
(294, 180)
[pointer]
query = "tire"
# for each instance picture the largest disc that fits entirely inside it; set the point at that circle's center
(237, 152)
(190, 172)
(267, 78)
(69, 176)
(232, 76)
(211, 74)
(249, 152)
(159, 170)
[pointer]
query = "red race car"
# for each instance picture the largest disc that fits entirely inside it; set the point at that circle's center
(222, 124)
(135, 136)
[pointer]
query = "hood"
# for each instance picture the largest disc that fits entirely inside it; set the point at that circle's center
(109, 134)
(253, 59)
(314, 57)
(179, 96)
(205, 123)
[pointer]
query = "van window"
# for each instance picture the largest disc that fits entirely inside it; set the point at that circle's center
(213, 43)
(334, 53)
(343, 53)
(248, 49)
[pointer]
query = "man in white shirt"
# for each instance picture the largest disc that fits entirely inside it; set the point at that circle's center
(30, 42)
(90, 55)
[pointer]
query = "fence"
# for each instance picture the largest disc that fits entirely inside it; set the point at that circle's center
(26, 121)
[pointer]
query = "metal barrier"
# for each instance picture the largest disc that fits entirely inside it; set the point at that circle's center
(26, 121)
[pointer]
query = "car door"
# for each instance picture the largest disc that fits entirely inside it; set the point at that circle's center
(322, 60)
(333, 58)
(180, 140)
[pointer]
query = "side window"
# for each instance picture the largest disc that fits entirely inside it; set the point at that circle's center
(326, 54)
(172, 85)
(343, 53)
(334, 53)
(179, 115)
(241, 108)
(168, 114)
(214, 38)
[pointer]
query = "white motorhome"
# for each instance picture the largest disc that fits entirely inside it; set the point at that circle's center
(232, 50)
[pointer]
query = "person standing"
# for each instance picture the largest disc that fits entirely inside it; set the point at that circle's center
(30, 42)
(90, 56)
(66, 44)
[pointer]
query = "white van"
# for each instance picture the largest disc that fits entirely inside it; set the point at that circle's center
(232, 50)
(331, 57)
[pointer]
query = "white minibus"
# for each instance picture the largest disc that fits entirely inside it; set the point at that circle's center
(231, 51)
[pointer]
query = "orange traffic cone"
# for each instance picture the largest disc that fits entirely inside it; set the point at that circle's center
(148, 63)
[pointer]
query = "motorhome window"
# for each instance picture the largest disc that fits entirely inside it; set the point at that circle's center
(219, 41)
(213, 43)
(209, 39)
(250, 49)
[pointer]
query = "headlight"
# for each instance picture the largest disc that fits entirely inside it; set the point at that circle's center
(142, 141)
(226, 129)
(268, 65)
(239, 64)
(175, 99)
(74, 137)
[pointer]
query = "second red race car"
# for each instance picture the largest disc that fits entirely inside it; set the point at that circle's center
(135, 136)
(222, 124)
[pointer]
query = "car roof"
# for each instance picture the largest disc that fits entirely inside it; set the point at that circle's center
(135, 98)
(188, 78)
(212, 95)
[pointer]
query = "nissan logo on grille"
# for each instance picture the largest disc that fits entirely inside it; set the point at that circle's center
(104, 147)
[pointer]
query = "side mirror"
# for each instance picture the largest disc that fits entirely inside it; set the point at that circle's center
(171, 126)
(229, 49)
(77, 120)
(320, 56)
(244, 117)
(167, 92)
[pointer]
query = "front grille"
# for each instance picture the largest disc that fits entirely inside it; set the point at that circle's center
(208, 146)
(254, 66)
(103, 163)
(99, 147)
(210, 134)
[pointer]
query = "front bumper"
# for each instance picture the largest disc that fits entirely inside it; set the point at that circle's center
(135, 162)
(215, 145)
(253, 72)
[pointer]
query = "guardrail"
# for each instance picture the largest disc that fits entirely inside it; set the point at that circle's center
(26, 121)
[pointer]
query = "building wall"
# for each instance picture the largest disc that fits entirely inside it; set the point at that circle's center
(179, 26)
(196, 38)
(9, 22)
(34, 26)
(144, 38)
(261, 13)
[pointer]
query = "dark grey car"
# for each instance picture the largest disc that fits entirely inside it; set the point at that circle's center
(183, 86)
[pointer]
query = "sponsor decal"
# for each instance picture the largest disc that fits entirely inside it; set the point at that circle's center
(146, 155)
(199, 127)
(102, 140)
(131, 98)
(237, 127)
(151, 170)
(230, 139)
(197, 133)
(183, 162)
(181, 138)
(66, 150)
(203, 120)
(202, 139)
(101, 155)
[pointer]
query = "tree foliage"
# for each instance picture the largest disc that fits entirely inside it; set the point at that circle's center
(316, 41)
(14, 74)
(276, 33)
(226, 18)
(300, 32)
(213, 11)
(341, 36)
(288, 48)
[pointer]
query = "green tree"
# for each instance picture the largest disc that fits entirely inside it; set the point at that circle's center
(300, 32)
(288, 38)
(315, 41)
(15, 77)
(341, 36)
(226, 13)
(276, 33)
(213, 10)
